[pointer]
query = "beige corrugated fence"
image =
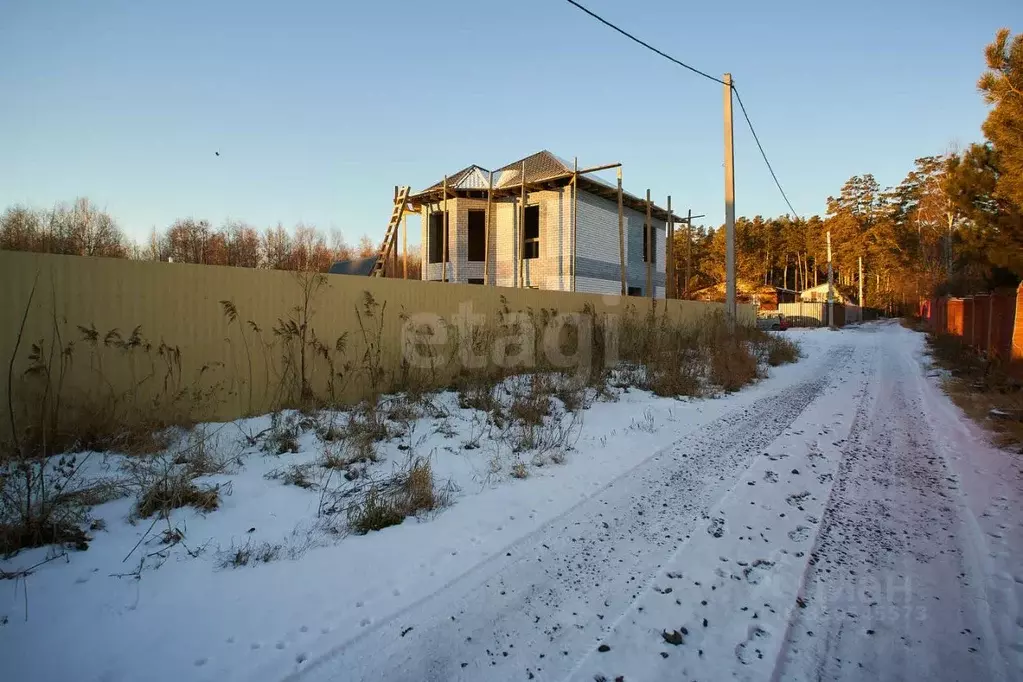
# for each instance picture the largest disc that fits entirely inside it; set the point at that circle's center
(221, 342)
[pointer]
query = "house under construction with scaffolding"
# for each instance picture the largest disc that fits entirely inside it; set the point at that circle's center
(539, 222)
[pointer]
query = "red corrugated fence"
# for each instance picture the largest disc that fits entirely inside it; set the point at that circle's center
(992, 323)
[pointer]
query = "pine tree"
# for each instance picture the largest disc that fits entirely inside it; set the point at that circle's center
(1002, 86)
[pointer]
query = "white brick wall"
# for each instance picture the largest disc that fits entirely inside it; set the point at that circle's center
(598, 241)
(550, 270)
(598, 286)
(598, 228)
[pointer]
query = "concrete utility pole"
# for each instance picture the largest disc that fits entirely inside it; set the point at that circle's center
(831, 287)
(689, 248)
(729, 206)
(861, 285)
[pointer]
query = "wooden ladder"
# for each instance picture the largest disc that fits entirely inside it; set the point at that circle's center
(390, 242)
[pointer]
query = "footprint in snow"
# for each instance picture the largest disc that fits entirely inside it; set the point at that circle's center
(799, 534)
(756, 571)
(770, 477)
(747, 652)
(796, 499)
(716, 527)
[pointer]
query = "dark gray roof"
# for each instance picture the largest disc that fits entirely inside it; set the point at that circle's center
(355, 266)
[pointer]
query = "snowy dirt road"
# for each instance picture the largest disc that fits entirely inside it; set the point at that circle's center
(838, 520)
(849, 525)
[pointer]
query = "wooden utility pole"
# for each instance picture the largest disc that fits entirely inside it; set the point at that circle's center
(444, 222)
(486, 231)
(670, 290)
(831, 287)
(689, 248)
(522, 231)
(648, 231)
(729, 205)
(621, 234)
(575, 214)
(861, 287)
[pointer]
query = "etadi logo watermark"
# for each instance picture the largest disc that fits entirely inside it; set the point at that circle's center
(573, 342)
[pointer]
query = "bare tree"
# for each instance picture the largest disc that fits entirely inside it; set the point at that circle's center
(243, 245)
(339, 247)
(188, 241)
(21, 229)
(277, 248)
(367, 247)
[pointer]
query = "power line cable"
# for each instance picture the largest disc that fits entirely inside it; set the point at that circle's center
(742, 107)
(646, 45)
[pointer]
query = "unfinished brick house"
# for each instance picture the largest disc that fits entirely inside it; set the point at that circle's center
(543, 224)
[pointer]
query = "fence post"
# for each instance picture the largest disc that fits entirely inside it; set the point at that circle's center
(1016, 341)
(973, 322)
(990, 317)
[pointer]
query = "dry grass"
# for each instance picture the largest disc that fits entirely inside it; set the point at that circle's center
(780, 351)
(530, 408)
(916, 324)
(299, 475)
(540, 414)
(671, 359)
(410, 492)
(282, 437)
(15, 537)
(477, 391)
(248, 554)
(732, 366)
(674, 379)
(983, 388)
(174, 492)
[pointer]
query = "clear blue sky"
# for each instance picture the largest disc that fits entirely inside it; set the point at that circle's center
(319, 108)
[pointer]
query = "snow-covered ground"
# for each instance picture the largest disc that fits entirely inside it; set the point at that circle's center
(838, 520)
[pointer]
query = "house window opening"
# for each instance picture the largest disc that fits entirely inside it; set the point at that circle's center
(532, 233)
(653, 248)
(477, 235)
(436, 237)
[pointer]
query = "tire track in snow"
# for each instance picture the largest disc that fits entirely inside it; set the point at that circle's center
(529, 612)
(731, 587)
(890, 592)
